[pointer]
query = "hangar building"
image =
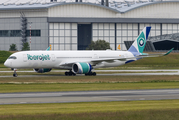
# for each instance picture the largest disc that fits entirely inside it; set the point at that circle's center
(71, 25)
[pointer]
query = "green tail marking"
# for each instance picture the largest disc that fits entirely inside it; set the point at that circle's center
(141, 41)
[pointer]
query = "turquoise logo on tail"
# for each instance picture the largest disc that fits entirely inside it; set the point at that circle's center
(141, 42)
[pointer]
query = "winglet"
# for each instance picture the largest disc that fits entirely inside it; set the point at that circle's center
(168, 52)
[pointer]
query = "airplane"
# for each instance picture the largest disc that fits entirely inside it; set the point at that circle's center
(79, 62)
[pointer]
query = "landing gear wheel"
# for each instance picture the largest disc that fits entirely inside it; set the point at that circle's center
(94, 73)
(70, 73)
(73, 74)
(15, 74)
(91, 74)
(66, 73)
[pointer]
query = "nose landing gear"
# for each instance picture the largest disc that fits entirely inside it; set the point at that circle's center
(14, 74)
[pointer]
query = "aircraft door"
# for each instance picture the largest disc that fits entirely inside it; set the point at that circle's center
(24, 57)
(53, 58)
(95, 56)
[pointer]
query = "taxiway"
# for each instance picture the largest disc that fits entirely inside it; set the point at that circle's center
(104, 73)
(88, 96)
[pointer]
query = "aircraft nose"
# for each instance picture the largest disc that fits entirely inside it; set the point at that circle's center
(7, 63)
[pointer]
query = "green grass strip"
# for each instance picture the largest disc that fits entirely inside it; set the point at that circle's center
(168, 114)
(68, 108)
(45, 87)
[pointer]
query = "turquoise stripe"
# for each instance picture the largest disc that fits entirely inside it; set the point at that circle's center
(85, 67)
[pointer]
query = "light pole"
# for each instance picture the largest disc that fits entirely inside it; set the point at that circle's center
(30, 24)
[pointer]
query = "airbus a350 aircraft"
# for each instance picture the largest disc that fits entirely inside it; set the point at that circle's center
(79, 62)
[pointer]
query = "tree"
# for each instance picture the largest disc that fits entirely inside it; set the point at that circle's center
(25, 46)
(13, 47)
(98, 45)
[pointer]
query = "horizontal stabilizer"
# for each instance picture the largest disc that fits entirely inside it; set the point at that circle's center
(154, 55)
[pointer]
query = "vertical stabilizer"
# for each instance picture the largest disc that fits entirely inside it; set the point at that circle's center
(49, 48)
(139, 43)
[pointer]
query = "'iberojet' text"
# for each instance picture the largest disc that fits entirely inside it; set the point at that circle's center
(38, 57)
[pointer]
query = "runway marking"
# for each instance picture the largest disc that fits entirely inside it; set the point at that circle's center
(142, 99)
(174, 92)
(23, 102)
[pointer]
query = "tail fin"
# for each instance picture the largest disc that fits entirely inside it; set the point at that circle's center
(139, 43)
(49, 48)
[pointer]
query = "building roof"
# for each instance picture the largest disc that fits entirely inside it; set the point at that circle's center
(138, 5)
(44, 6)
(120, 7)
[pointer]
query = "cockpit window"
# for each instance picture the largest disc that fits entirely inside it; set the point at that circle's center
(12, 57)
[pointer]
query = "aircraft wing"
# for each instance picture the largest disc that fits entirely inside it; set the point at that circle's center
(94, 62)
(71, 62)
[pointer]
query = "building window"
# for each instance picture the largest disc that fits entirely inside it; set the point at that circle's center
(125, 32)
(63, 36)
(17, 33)
(104, 31)
(4, 33)
(34, 33)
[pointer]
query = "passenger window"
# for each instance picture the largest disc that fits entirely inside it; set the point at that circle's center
(12, 57)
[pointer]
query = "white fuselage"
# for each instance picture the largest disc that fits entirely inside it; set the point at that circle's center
(58, 59)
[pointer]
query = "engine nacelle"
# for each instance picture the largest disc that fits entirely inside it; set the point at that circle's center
(42, 70)
(81, 68)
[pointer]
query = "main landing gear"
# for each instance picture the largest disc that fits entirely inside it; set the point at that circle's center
(14, 74)
(70, 73)
(90, 74)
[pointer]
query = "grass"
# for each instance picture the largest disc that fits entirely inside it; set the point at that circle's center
(10, 88)
(128, 110)
(171, 114)
(4, 55)
(2, 66)
(86, 83)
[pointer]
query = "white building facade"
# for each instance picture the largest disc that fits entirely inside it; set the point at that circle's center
(73, 25)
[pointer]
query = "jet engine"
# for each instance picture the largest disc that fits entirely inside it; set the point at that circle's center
(42, 70)
(81, 68)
